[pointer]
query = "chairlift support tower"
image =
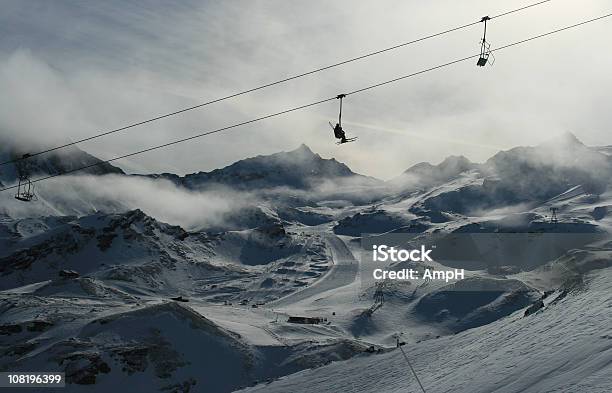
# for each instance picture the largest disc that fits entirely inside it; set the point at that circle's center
(379, 293)
(553, 217)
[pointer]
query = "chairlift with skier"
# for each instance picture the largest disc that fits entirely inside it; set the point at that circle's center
(338, 131)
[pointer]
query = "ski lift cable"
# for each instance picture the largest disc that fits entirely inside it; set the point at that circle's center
(311, 104)
(176, 142)
(261, 87)
(474, 56)
(412, 369)
(518, 9)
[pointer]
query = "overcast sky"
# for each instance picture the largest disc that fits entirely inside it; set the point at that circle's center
(70, 69)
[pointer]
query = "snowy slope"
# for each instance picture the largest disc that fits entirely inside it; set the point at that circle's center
(158, 346)
(565, 347)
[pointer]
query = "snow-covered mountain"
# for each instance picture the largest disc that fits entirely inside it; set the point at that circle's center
(112, 295)
(424, 174)
(523, 175)
(298, 169)
(133, 253)
(551, 168)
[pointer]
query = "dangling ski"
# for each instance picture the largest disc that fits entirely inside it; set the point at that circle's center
(353, 139)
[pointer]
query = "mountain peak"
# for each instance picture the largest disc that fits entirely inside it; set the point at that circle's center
(303, 152)
(566, 139)
(303, 148)
(459, 162)
(300, 168)
(425, 174)
(454, 164)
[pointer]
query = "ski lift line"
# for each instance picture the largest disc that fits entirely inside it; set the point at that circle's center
(412, 369)
(552, 32)
(261, 87)
(519, 9)
(474, 56)
(411, 75)
(309, 105)
(175, 142)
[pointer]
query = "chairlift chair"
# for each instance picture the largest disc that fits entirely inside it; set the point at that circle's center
(25, 190)
(485, 47)
(482, 61)
(25, 187)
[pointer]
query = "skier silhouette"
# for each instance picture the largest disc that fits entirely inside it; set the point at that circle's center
(339, 133)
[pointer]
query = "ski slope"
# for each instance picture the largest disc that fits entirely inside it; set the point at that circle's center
(566, 347)
(343, 272)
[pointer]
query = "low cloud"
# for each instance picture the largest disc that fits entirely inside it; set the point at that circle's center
(161, 199)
